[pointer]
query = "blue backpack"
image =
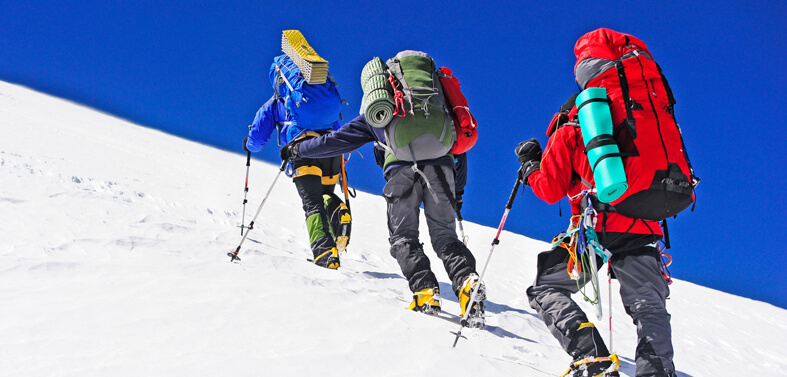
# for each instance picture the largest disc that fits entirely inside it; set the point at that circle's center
(313, 107)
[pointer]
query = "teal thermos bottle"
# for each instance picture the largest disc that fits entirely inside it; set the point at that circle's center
(595, 120)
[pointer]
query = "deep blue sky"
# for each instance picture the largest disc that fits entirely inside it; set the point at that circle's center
(200, 71)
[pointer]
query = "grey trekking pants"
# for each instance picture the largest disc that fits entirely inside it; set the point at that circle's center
(642, 289)
(405, 191)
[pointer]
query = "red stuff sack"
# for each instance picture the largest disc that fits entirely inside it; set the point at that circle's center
(464, 122)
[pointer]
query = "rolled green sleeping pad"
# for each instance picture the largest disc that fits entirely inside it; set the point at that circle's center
(378, 102)
(595, 120)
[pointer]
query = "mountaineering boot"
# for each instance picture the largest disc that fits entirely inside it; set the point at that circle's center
(593, 366)
(476, 316)
(426, 301)
(585, 342)
(328, 259)
(340, 220)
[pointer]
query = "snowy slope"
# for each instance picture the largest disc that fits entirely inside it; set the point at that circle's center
(113, 245)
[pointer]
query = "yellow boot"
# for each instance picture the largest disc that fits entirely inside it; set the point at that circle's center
(328, 259)
(426, 301)
(476, 316)
(606, 366)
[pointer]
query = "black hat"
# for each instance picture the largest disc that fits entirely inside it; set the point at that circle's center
(561, 117)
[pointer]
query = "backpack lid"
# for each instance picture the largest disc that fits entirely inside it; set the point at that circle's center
(406, 53)
(415, 72)
(606, 44)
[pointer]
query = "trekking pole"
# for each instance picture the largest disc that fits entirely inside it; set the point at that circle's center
(609, 274)
(234, 254)
(594, 282)
(245, 194)
(494, 243)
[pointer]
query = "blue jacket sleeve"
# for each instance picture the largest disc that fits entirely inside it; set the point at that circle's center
(263, 126)
(460, 173)
(347, 138)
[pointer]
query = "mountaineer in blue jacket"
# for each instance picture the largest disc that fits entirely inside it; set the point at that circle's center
(327, 217)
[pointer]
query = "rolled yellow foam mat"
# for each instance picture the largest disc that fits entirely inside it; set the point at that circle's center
(312, 66)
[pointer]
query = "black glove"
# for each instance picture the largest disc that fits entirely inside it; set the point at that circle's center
(528, 168)
(290, 152)
(245, 139)
(528, 150)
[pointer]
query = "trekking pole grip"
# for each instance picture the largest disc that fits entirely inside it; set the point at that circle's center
(514, 191)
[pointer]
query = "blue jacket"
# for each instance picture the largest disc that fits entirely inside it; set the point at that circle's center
(358, 132)
(271, 115)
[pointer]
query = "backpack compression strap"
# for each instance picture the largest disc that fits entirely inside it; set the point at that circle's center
(447, 189)
(600, 141)
(671, 97)
(395, 70)
(419, 172)
(624, 87)
(281, 75)
(396, 74)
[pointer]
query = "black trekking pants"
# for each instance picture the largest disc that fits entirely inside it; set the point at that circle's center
(405, 191)
(313, 178)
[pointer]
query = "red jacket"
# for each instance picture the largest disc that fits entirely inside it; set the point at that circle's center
(562, 165)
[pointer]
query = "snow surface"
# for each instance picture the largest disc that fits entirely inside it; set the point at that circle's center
(113, 262)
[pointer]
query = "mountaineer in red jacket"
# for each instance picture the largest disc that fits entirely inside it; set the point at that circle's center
(563, 170)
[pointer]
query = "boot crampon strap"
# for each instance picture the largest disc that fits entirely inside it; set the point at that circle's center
(340, 219)
(328, 259)
(606, 366)
(476, 316)
(343, 233)
(426, 301)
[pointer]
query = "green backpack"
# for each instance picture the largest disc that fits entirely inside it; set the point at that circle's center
(422, 128)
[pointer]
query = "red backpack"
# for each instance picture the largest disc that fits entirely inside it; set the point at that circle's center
(464, 122)
(659, 174)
